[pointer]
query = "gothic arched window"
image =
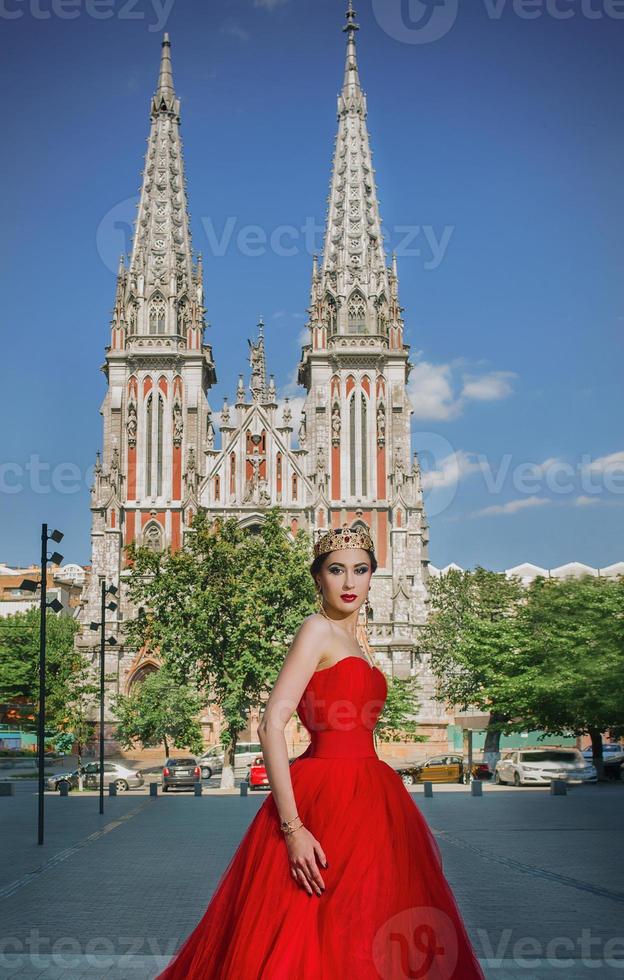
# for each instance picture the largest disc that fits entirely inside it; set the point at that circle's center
(157, 311)
(154, 444)
(352, 443)
(357, 313)
(364, 446)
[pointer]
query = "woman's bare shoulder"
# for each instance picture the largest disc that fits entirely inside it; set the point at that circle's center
(315, 625)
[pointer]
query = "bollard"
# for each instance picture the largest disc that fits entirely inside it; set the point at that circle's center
(428, 787)
(558, 787)
(244, 786)
(112, 789)
(6, 789)
(63, 788)
(153, 789)
(476, 787)
(198, 787)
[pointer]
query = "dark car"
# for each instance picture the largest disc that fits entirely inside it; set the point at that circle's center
(443, 769)
(180, 772)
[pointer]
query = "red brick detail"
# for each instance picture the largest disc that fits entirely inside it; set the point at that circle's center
(175, 530)
(335, 473)
(381, 473)
(177, 473)
(131, 472)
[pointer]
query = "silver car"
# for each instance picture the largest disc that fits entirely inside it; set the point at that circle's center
(537, 767)
(211, 762)
(122, 777)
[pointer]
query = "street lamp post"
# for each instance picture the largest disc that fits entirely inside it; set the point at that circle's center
(101, 626)
(30, 586)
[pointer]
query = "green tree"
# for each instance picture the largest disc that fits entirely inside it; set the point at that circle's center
(471, 638)
(223, 610)
(70, 682)
(569, 659)
(393, 724)
(158, 711)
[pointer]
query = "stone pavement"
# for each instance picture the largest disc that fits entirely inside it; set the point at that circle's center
(538, 878)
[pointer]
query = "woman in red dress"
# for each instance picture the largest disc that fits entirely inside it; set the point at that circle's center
(338, 875)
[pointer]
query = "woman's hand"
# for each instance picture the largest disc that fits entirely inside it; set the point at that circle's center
(303, 852)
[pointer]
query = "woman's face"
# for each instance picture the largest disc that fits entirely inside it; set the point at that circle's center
(345, 578)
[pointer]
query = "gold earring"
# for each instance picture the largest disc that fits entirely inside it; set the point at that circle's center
(319, 598)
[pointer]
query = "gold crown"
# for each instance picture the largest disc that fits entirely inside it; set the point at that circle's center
(343, 537)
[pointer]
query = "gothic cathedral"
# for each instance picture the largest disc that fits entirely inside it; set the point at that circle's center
(160, 460)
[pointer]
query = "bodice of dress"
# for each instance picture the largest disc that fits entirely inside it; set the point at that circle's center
(340, 707)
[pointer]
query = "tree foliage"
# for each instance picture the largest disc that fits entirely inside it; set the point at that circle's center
(223, 610)
(159, 711)
(548, 656)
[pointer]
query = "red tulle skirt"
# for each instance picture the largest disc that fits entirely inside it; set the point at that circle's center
(387, 910)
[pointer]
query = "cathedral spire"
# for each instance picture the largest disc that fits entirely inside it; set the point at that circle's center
(352, 292)
(351, 76)
(165, 94)
(161, 274)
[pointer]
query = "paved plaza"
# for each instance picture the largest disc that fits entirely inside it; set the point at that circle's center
(538, 878)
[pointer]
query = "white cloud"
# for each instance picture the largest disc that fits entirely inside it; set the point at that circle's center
(233, 29)
(614, 462)
(451, 470)
(511, 507)
(488, 387)
(584, 501)
(431, 393)
(435, 393)
(269, 4)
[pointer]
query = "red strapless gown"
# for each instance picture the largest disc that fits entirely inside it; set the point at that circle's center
(387, 910)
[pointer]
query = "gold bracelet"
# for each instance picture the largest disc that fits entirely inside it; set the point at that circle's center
(286, 828)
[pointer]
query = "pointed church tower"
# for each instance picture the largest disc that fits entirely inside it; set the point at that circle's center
(355, 370)
(156, 413)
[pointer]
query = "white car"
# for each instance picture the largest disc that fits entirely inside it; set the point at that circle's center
(537, 767)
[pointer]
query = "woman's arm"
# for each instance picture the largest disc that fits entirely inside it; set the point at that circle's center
(297, 669)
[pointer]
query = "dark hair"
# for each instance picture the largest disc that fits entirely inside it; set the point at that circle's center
(319, 561)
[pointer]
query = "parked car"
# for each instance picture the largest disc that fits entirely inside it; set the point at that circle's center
(180, 772)
(443, 769)
(538, 766)
(71, 777)
(610, 750)
(122, 777)
(211, 762)
(257, 777)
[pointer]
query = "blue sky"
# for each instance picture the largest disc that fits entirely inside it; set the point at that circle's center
(497, 139)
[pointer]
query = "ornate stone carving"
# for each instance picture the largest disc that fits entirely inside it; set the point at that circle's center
(131, 423)
(178, 424)
(335, 424)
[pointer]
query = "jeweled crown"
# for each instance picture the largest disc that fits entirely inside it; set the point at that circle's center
(343, 537)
